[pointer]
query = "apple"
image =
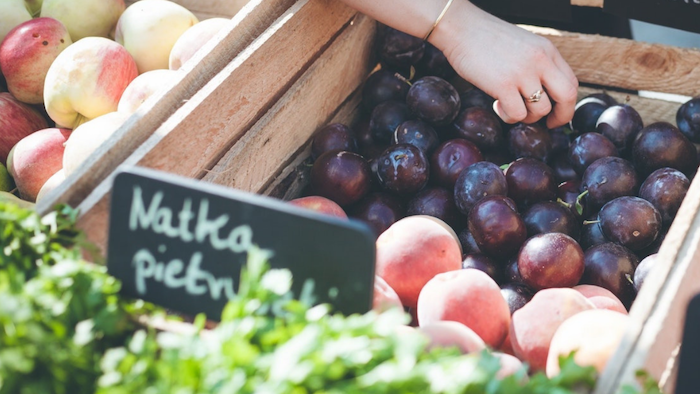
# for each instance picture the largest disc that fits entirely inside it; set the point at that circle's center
(87, 80)
(87, 137)
(148, 29)
(143, 87)
(52, 183)
(17, 120)
(36, 158)
(12, 13)
(320, 204)
(27, 53)
(6, 182)
(194, 38)
(85, 18)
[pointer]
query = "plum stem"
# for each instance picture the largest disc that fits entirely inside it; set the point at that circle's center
(401, 77)
(564, 203)
(586, 222)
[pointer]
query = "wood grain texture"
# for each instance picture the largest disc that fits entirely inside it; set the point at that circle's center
(628, 64)
(587, 3)
(243, 29)
(284, 130)
(198, 134)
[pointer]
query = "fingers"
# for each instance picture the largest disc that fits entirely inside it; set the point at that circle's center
(563, 93)
(510, 107)
(536, 108)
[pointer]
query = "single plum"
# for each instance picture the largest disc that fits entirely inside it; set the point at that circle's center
(665, 189)
(419, 134)
(381, 86)
(437, 202)
(450, 159)
(333, 137)
(530, 140)
(399, 49)
(620, 123)
(662, 145)
(343, 177)
(480, 126)
(478, 181)
(630, 221)
(550, 260)
(611, 266)
(403, 169)
(589, 147)
(496, 226)
(550, 217)
(434, 100)
(378, 210)
(609, 178)
(530, 181)
(688, 119)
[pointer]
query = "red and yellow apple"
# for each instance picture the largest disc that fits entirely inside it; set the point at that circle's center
(85, 18)
(27, 53)
(193, 39)
(145, 86)
(148, 29)
(87, 80)
(36, 158)
(87, 137)
(17, 120)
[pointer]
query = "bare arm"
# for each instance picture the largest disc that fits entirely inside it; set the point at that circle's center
(503, 60)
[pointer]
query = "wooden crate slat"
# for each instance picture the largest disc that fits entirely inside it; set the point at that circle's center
(244, 27)
(270, 144)
(628, 64)
(197, 135)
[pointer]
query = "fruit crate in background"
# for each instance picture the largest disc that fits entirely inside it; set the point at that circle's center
(249, 127)
(248, 20)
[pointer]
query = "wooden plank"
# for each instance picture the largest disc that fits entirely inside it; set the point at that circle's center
(284, 130)
(217, 53)
(587, 3)
(652, 110)
(628, 64)
(197, 135)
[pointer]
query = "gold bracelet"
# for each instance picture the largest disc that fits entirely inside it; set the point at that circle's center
(439, 18)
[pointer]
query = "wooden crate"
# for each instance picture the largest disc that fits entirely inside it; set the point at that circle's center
(250, 125)
(248, 20)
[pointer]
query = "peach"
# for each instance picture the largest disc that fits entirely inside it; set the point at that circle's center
(412, 251)
(87, 137)
(51, 184)
(384, 296)
(533, 326)
(510, 365)
(507, 346)
(17, 120)
(36, 158)
(594, 335)
(12, 14)
(321, 205)
(467, 296)
(450, 333)
(85, 18)
(144, 86)
(27, 53)
(87, 80)
(193, 39)
(601, 298)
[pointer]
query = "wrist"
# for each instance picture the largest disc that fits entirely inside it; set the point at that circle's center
(454, 27)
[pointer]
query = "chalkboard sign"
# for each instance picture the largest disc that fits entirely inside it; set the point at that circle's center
(688, 379)
(679, 14)
(181, 243)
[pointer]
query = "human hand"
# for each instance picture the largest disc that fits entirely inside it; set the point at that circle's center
(508, 63)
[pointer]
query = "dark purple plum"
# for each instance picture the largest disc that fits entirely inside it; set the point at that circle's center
(560, 139)
(550, 260)
(378, 210)
(476, 98)
(450, 159)
(561, 165)
(381, 86)
(586, 114)
(434, 63)
(550, 217)
(654, 247)
(688, 119)
(530, 140)
(466, 239)
(344, 177)
(606, 98)
(480, 126)
(607, 179)
(611, 266)
(568, 193)
(439, 203)
(368, 147)
(662, 145)
(434, 100)
(516, 295)
(417, 133)
(620, 124)
(496, 226)
(476, 182)
(511, 273)
(630, 221)
(403, 169)
(665, 189)
(483, 263)
(386, 118)
(399, 49)
(645, 266)
(591, 233)
(530, 181)
(333, 137)
(589, 147)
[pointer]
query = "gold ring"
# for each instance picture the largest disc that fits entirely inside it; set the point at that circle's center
(535, 97)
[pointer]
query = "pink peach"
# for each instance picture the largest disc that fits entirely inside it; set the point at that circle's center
(601, 298)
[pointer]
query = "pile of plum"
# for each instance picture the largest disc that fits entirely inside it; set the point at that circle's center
(533, 208)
